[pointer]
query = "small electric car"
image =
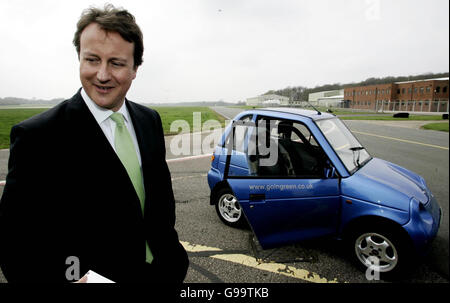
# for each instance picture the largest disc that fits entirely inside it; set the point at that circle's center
(295, 175)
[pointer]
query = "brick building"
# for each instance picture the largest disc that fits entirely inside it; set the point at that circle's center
(429, 95)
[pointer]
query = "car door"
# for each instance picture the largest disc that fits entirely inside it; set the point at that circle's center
(293, 198)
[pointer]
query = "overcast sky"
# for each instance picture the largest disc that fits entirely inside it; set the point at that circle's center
(230, 50)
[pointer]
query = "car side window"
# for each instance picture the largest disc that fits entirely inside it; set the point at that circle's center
(306, 134)
(236, 145)
(278, 148)
(301, 150)
(240, 132)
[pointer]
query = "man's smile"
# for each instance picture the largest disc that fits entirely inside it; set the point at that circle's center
(103, 89)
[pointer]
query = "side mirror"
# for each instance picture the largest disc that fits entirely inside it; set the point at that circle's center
(253, 158)
(330, 172)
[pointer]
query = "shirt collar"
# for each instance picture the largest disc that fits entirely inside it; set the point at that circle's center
(101, 114)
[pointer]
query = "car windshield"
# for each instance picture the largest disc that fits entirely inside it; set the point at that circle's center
(346, 146)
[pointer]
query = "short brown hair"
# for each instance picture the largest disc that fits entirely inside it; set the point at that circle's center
(112, 19)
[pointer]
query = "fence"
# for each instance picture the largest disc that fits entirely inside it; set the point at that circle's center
(436, 106)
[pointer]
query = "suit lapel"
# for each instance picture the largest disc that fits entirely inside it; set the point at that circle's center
(89, 134)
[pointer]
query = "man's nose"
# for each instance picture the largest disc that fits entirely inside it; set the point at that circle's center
(103, 74)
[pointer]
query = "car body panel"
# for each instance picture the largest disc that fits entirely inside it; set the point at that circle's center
(381, 183)
(424, 224)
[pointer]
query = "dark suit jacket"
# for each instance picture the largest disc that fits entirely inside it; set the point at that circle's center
(67, 194)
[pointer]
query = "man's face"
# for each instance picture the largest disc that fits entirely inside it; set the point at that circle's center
(106, 66)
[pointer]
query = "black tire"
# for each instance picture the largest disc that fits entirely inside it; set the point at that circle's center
(228, 208)
(382, 253)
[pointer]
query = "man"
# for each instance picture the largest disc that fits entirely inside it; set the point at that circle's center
(88, 190)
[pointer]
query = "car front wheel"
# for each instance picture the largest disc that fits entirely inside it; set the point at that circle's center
(371, 248)
(380, 252)
(228, 209)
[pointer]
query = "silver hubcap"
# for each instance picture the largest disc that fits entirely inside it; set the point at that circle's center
(229, 208)
(376, 251)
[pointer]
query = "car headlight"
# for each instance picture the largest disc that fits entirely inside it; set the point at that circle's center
(424, 183)
(416, 205)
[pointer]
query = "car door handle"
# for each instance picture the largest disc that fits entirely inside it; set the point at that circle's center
(257, 197)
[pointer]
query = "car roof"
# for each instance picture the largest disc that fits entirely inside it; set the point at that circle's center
(279, 111)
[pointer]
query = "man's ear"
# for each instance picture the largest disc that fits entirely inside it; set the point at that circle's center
(135, 69)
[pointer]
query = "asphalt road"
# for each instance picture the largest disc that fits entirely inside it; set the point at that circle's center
(219, 253)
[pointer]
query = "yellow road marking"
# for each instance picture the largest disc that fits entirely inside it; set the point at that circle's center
(249, 261)
(401, 140)
(196, 248)
(277, 268)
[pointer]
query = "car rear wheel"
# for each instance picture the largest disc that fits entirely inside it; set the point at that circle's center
(228, 208)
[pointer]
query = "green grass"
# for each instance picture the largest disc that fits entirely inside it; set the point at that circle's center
(440, 126)
(10, 117)
(171, 113)
(342, 111)
(243, 106)
(390, 118)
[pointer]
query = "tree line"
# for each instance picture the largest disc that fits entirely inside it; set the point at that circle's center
(21, 101)
(301, 93)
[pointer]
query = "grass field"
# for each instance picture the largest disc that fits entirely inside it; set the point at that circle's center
(169, 114)
(390, 118)
(10, 117)
(343, 111)
(440, 126)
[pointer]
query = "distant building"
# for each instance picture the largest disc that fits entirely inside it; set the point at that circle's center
(430, 95)
(268, 100)
(332, 101)
(271, 102)
(314, 97)
(296, 103)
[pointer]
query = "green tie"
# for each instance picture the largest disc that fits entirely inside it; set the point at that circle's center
(127, 154)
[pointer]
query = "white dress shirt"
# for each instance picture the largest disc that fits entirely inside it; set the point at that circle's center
(108, 126)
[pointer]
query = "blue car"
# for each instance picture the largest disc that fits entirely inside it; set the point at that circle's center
(295, 175)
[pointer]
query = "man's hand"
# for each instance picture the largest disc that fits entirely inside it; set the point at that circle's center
(82, 280)
(93, 278)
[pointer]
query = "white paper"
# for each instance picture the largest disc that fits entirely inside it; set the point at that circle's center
(93, 277)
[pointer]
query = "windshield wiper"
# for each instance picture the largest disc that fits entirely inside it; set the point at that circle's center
(356, 161)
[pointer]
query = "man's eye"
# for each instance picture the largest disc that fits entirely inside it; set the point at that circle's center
(117, 63)
(91, 59)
